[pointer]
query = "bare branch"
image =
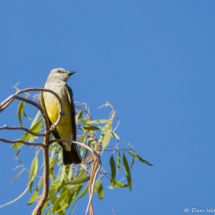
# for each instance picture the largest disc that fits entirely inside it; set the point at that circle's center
(11, 98)
(21, 141)
(24, 129)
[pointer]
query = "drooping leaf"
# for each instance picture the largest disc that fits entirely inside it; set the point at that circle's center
(132, 162)
(19, 111)
(16, 198)
(115, 135)
(23, 112)
(37, 126)
(82, 173)
(84, 192)
(91, 128)
(118, 162)
(46, 203)
(127, 170)
(78, 116)
(79, 180)
(68, 195)
(33, 172)
(100, 191)
(138, 157)
(33, 198)
(57, 206)
(118, 184)
(18, 151)
(85, 122)
(24, 138)
(113, 167)
(64, 174)
(53, 196)
(106, 139)
(17, 176)
(53, 163)
(99, 121)
(35, 119)
(99, 188)
(73, 208)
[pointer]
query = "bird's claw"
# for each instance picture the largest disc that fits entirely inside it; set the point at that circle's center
(53, 127)
(63, 114)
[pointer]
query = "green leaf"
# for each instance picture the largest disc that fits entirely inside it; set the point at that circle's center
(127, 170)
(92, 128)
(64, 176)
(53, 196)
(115, 135)
(138, 157)
(79, 180)
(53, 163)
(113, 167)
(35, 119)
(33, 171)
(132, 162)
(118, 184)
(17, 153)
(82, 172)
(57, 203)
(16, 198)
(23, 112)
(99, 121)
(118, 161)
(99, 188)
(84, 192)
(37, 127)
(46, 203)
(78, 116)
(33, 198)
(73, 208)
(100, 191)
(17, 176)
(68, 196)
(19, 111)
(85, 122)
(48, 212)
(106, 139)
(24, 138)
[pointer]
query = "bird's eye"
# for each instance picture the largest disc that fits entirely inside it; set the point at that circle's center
(59, 71)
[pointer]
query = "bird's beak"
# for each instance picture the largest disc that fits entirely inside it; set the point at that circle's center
(71, 73)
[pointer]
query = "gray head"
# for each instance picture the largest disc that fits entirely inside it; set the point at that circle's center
(59, 74)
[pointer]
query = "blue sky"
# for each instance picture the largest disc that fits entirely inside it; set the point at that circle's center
(153, 61)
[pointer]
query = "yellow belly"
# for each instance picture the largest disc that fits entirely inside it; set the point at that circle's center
(52, 105)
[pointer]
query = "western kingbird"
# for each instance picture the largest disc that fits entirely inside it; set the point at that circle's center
(66, 129)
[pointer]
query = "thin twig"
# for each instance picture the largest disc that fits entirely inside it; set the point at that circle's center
(24, 129)
(21, 141)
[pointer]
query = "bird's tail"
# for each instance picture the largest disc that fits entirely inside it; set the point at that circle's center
(72, 156)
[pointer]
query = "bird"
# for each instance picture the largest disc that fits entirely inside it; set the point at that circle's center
(66, 129)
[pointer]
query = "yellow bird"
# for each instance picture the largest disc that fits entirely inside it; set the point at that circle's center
(66, 129)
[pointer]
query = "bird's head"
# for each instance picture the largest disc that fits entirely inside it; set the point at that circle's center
(59, 74)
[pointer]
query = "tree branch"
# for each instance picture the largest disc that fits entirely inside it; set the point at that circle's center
(21, 141)
(24, 129)
(46, 143)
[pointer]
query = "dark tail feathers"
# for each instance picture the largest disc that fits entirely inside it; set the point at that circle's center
(70, 157)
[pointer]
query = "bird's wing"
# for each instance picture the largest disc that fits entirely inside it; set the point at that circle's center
(70, 97)
(41, 101)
